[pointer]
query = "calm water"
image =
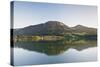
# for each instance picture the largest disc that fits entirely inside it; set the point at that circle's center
(32, 53)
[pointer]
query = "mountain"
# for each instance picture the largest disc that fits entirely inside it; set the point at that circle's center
(84, 29)
(53, 28)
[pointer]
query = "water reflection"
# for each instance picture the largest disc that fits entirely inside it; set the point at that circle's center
(55, 47)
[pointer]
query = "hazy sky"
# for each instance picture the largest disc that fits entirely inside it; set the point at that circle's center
(30, 13)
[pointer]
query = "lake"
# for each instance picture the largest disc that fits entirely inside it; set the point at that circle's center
(50, 52)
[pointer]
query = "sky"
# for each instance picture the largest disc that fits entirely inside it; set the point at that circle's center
(32, 13)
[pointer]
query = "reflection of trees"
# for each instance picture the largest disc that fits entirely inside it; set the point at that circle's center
(55, 47)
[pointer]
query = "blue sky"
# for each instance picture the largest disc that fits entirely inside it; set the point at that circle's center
(32, 13)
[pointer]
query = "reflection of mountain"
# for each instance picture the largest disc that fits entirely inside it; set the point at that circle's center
(53, 28)
(55, 48)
